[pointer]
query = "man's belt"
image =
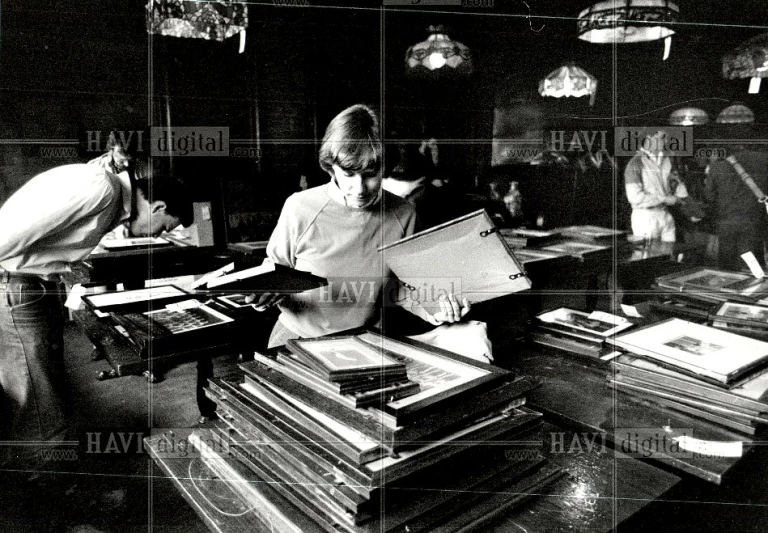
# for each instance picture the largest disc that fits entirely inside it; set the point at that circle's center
(8, 277)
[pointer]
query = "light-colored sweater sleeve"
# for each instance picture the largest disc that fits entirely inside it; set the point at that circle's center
(638, 196)
(282, 244)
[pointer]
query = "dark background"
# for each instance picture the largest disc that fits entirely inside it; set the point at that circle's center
(70, 67)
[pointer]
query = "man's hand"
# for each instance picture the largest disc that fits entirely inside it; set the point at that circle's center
(450, 310)
(265, 301)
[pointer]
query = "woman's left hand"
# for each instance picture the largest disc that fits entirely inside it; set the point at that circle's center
(451, 310)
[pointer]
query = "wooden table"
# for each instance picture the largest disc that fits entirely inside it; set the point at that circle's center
(576, 395)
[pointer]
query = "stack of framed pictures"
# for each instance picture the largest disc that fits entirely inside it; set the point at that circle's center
(750, 320)
(405, 464)
(713, 285)
(583, 251)
(576, 332)
(595, 234)
(527, 238)
(743, 408)
(707, 354)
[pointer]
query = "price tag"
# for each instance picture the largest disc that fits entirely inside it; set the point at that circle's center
(710, 448)
(630, 310)
(75, 298)
(753, 265)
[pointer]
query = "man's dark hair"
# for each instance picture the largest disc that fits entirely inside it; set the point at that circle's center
(175, 194)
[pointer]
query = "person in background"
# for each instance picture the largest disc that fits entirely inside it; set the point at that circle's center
(412, 179)
(122, 156)
(122, 159)
(335, 230)
(54, 220)
(652, 187)
(740, 220)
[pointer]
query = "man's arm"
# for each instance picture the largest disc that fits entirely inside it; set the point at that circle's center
(638, 197)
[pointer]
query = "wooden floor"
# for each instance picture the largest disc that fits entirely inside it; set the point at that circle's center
(116, 491)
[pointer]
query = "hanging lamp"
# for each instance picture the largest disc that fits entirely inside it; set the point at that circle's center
(629, 21)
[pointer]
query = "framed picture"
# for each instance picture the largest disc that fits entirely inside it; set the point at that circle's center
(529, 255)
(137, 242)
(702, 350)
(121, 300)
(582, 321)
(236, 301)
(705, 278)
(442, 376)
(344, 356)
(578, 249)
(743, 314)
(592, 232)
(184, 319)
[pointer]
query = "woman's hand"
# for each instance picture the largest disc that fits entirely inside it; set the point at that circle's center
(450, 310)
(265, 301)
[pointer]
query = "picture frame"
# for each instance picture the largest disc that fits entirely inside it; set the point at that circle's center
(134, 242)
(443, 377)
(187, 319)
(576, 248)
(703, 278)
(707, 352)
(592, 232)
(742, 314)
(585, 322)
(530, 255)
(235, 301)
(138, 299)
(344, 356)
(718, 284)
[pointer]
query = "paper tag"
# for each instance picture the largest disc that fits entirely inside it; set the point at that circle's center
(612, 355)
(122, 331)
(607, 317)
(74, 300)
(100, 314)
(753, 265)
(630, 310)
(710, 448)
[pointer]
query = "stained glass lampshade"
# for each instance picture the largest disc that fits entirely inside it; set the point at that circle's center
(629, 21)
(569, 80)
(736, 114)
(211, 20)
(689, 116)
(437, 52)
(750, 60)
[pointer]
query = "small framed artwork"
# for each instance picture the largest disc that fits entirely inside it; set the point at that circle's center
(336, 357)
(582, 321)
(443, 377)
(578, 249)
(743, 314)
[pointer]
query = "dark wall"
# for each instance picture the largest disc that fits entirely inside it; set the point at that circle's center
(70, 67)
